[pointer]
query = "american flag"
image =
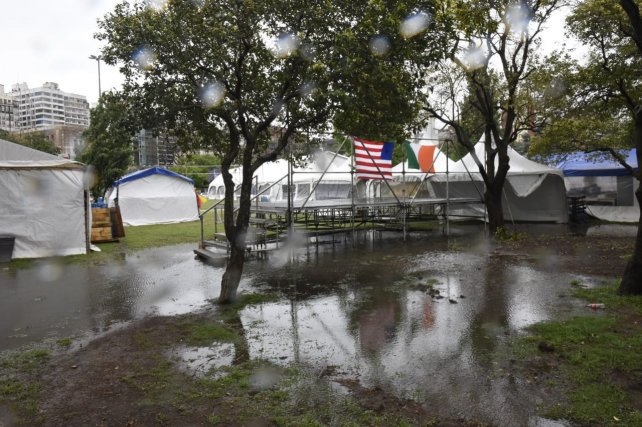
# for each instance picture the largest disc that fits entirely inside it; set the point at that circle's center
(373, 159)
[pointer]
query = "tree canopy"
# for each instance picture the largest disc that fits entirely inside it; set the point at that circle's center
(485, 80)
(109, 139)
(596, 97)
(245, 78)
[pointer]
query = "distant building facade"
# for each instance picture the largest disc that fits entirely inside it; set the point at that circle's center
(7, 111)
(61, 116)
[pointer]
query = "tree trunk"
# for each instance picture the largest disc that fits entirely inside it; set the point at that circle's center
(494, 208)
(232, 276)
(631, 283)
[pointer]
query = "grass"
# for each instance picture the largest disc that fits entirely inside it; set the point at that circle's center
(18, 379)
(599, 357)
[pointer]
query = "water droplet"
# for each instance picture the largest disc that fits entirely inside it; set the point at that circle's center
(145, 58)
(286, 45)
(474, 57)
(379, 45)
(556, 89)
(156, 4)
(414, 24)
(517, 17)
(50, 271)
(89, 178)
(306, 89)
(265, 377)
(212, 94)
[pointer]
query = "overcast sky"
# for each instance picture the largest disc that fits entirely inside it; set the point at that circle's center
(51, 41)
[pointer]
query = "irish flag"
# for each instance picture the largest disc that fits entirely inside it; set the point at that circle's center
(420, 156)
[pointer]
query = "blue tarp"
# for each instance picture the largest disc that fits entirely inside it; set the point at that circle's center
(588, 164)
(147, 172)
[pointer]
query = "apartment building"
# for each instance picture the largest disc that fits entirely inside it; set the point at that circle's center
(7, 111)
(48, 106)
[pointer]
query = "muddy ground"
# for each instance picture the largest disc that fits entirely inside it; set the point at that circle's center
(128, 376)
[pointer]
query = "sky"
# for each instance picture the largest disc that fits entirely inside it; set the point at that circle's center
(51, 41)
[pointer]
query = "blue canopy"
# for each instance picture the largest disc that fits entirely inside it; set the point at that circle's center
(147, 172)
(585, 164)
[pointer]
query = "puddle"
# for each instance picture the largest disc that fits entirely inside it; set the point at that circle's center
(35, 305)
(376, 316)
(429, 319)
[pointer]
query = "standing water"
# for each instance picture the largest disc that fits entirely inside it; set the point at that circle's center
(430, 318)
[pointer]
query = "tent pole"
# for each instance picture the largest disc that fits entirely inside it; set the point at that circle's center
(354, 187)
(447, 191)
(87, 222)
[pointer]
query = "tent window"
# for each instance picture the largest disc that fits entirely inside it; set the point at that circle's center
(302, 191)
(221, 191)
(326, 191)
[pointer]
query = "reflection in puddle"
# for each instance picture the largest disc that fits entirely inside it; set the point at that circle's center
(65, 300)
(429, 319)
(426, 325)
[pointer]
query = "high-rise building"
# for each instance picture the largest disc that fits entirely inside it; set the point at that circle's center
(60, 116)
(7, 111)
(47, 106)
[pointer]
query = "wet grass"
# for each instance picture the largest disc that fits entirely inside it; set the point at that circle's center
(202, 334)
(18, 384)
(238, 394)
(599, 357)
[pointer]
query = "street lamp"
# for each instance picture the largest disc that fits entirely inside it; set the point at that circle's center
(97, 58)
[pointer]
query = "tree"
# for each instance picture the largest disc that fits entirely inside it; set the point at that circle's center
(226, 72)
(109, 139)
(604, 110)
(489, 63)
(198, 167)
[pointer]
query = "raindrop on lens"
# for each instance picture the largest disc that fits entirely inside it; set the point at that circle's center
(212, 94)
(89, 178)
(49, 271)
(517, 17)
(414, 24)
(556, 89)
(306, 89)
(155, 4)
(286, 45)
(145, 58)
(379, 45)
(474, 57)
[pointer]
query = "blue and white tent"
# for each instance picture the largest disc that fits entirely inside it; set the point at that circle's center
(590, 164)
(154, 196)
(608, 187)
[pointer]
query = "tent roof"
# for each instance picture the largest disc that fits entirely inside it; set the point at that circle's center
(18, 156)
(518, 163)
(586, 164)
(148, 172)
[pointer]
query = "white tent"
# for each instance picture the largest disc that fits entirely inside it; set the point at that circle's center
(533, 192)
(154, 196)
(44, 204)
(272, 179)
